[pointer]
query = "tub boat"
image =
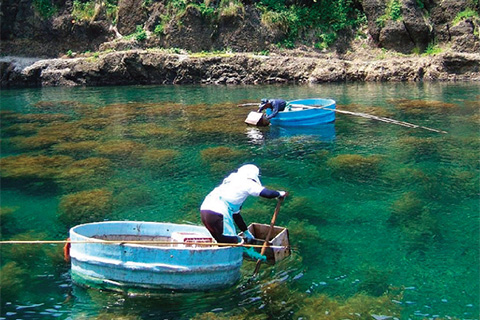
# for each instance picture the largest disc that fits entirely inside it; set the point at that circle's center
(99, 259)
(138, 256)
(302, 112)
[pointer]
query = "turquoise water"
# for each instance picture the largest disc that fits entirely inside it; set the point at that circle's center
(383, 219)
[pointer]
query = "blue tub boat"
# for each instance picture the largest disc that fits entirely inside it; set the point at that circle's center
(99, 260)
(305, 112)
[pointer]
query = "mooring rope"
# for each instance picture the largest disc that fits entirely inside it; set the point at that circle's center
(120, 242)
(372, 117)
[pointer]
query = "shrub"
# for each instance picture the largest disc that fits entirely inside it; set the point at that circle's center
(140, 34)
(44, 8)
(466, 14)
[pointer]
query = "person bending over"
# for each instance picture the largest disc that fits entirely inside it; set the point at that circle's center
(220, 210)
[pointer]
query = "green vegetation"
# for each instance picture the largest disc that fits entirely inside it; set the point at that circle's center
(432, 49)
(466, 14)
(88, 10)
(140, 34)
(83, 10)
(44, 8)
(392, 12)
(298, 21)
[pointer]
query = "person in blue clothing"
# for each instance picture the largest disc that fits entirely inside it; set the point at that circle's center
(275, 104)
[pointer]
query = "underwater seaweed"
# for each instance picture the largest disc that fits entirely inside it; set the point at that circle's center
(13, 280)
(160, 159)
(406, 209)
(376, 111)
(122, 150)
(149, 130)
(422, 107)
(80, 149)
(85, 206)
(35, 142)
(420, 149)
(92, 123)
(7, 221)
(21, 129)
(418, 225)
(221, 153)
(86, 173)
(33, 167)
(52, 134)
(133, 198)
(42, 117)
(310, 211)
(355, 166)
(359, 306)
(68, 131)
(375, 282)
(25, 254)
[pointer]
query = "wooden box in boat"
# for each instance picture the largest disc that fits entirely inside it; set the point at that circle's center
(279, 239)
(257, 119)
(161, 264)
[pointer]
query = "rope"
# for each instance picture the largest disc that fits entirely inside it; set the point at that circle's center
(370, 116)
(135, 242)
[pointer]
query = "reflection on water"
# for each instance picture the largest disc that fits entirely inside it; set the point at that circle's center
(383, 219)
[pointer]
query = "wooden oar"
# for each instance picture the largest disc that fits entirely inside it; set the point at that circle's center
(248, 104)
(370, 116)
(269, 235)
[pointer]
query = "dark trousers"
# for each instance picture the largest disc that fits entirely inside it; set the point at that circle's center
(213, 221)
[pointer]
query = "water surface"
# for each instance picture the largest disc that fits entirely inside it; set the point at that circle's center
(383, 219)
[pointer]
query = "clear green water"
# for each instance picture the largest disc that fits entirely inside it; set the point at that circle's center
(377, 211)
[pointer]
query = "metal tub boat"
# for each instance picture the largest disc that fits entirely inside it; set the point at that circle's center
(305, 112)
(99, 259)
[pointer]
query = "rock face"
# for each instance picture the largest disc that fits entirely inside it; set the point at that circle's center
(147, 67)
(405, 26)
(400, 25)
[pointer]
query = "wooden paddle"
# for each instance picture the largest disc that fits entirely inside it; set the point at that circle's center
(269, 235)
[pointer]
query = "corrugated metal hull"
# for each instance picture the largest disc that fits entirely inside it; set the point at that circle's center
(150, 266)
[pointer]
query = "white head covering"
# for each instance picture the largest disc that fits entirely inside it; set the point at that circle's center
(250, 171)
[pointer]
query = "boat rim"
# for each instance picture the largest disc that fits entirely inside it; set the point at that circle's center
(81, 237)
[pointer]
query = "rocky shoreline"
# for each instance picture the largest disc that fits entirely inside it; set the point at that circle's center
(156, 67)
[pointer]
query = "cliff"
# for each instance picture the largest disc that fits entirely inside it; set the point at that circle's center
(137, 41)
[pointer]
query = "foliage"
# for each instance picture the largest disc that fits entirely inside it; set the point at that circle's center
(230, 8)
(83, 11)
(392, 12)
(140, 34)
(466, 14)
(45, 8)
(432, 49)
(299, 19)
